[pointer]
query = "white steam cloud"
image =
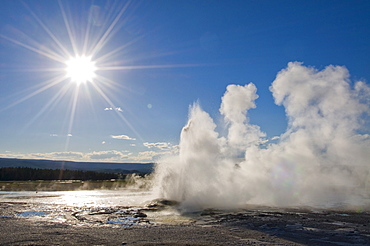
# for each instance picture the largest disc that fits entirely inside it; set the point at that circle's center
(234, 108)
(321, 160)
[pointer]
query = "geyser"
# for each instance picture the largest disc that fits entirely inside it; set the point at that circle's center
(323, 158)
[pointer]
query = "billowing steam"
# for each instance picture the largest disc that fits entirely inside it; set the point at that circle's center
(323, 158)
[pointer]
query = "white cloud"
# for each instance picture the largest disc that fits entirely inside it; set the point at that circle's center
(12, 155)
(159, 145)
(108, 155)
(67, 154)
(37, 155)
(123, 137)
(146, 156)
(73, 156)
(69, 135)
(262, 141)
(101, 156)
(116, 109)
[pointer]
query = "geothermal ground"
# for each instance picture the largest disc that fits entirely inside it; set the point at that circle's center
(36, 219)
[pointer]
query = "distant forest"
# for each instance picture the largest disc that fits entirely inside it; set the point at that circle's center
(26, 173)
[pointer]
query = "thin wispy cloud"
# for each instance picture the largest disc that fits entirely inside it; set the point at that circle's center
(159, 145)
(68, 154)
(101, 156)
(146, 156)
(123, 137)
(108, 155)
(58, 135)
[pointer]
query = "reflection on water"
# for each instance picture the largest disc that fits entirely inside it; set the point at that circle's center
(81, 198)
(104, 198)
(124, 207)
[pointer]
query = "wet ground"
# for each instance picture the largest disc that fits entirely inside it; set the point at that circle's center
(25, 220)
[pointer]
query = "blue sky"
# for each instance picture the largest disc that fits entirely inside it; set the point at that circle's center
(155, 58)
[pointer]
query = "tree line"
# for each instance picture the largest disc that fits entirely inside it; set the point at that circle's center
(27, 173)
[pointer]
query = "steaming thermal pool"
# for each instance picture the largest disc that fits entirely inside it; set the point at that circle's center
(108, 207)
(138, 210)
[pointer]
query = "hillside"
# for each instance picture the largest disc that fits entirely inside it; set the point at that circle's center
(83, 166)
(27, 173)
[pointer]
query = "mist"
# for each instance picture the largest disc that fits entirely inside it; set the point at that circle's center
(321, 160)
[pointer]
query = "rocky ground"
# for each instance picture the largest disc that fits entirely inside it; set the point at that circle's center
(159, 224)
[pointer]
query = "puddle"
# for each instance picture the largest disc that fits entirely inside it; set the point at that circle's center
(29, 214)
(128, 221)
(6, 216)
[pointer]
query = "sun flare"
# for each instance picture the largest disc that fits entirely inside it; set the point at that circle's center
(83, 44)
(80, 69)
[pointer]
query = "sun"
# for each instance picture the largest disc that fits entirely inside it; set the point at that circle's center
(80, 69)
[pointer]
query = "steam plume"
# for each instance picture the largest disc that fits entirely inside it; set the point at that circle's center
(321, 160)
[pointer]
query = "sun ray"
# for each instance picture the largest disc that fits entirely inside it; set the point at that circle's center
(108, 83)
(72, 116)
(111, 104)
(49, 105)
(37, 70)
(115, 51)
(32, 88)
(53, 82)
(88, 96)
(68, 27)
(106, 34)
(50, 55)
(46, 29)
(112, 68)
(87, 35)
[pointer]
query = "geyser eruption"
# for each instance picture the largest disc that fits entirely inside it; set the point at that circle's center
(323, 158)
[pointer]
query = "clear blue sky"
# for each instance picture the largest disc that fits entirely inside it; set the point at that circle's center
(156, 58)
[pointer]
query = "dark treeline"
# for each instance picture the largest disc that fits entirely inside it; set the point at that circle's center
(26, 173)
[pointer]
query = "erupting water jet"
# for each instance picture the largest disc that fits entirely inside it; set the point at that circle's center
(321, 160)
